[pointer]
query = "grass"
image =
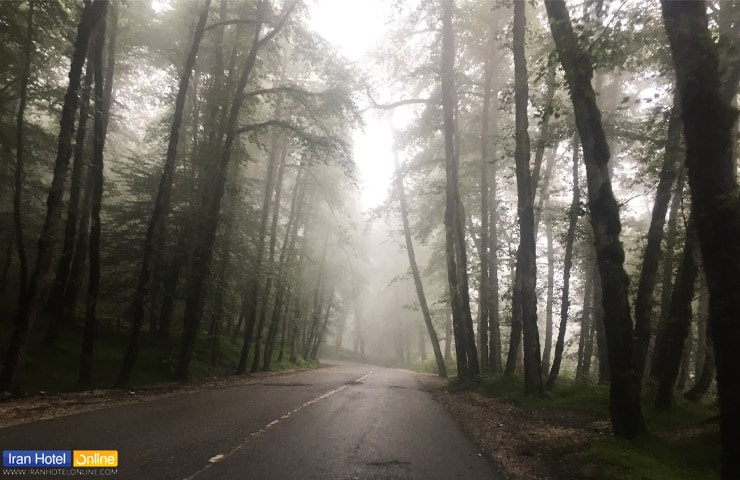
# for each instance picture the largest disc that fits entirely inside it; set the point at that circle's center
(54, 370)
(681, 445)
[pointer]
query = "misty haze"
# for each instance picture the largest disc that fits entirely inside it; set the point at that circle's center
(370, 239)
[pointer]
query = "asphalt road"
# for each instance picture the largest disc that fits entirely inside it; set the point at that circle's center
(345, 421)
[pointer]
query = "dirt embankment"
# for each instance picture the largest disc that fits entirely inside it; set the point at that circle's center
(527, 444)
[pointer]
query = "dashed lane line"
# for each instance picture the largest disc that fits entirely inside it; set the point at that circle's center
(254, 435)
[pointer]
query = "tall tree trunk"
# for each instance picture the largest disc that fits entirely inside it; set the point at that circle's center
(287, 254)
(95, 179)
(683, 373)
(467, 358)
(41, 279)
(79, 257)
(667, 267)
(262, 282)
(597, 312)
(527, 243)
(20, 130)
(669, 344)
(709, 121)
(56, 298)
(5, 269)
(651, 257)
(567, 265)
(584, 349)
(494, 318)
(484, 288)
(703, 378)
(624, 392)
(441, 368)
(550, 300)
(156, 226)
(322, 331)
(448, 336)
(515, 337)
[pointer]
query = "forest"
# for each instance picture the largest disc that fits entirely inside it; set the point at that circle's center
(561, 196)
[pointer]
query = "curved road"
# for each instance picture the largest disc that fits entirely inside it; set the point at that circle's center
(345, 421)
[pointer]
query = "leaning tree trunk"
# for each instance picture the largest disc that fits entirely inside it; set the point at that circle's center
(527, 243)
(624, 392)
(709, 121)
(567, 265)
(155, 229)
(41, 279)
(441, 368)
(669, 344)
(651, 257)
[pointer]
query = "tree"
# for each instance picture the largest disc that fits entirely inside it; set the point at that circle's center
(155, 229)
(567, 265)
(467, 357)
(527, 254)
(651, 257)
(40, 281)
(709, 120)
(441, 368)
(624, 392)
(95, 180)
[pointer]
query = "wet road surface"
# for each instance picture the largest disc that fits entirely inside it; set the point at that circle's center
(345, 421)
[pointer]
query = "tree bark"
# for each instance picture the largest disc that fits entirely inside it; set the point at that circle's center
(584, 349)
(95, 179)
(527, 242)
(709, 121)
(546, 352)
(668, 260)
(56, 298)
(494, 316)
(467, 358)
(484, 295)
(625, 408)
(670, 342)
(441, 368)
(20, 146)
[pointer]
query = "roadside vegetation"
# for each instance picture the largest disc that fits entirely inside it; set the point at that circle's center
(683, 443)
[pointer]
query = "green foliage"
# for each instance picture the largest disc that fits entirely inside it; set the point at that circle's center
(683, 443)
(681, 457)
(430, 365)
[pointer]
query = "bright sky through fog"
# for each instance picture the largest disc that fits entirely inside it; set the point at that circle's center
(356, 27)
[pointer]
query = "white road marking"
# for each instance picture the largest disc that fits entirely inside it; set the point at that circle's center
(221, 456)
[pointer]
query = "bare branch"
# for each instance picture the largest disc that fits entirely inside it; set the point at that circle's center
(229, 22)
